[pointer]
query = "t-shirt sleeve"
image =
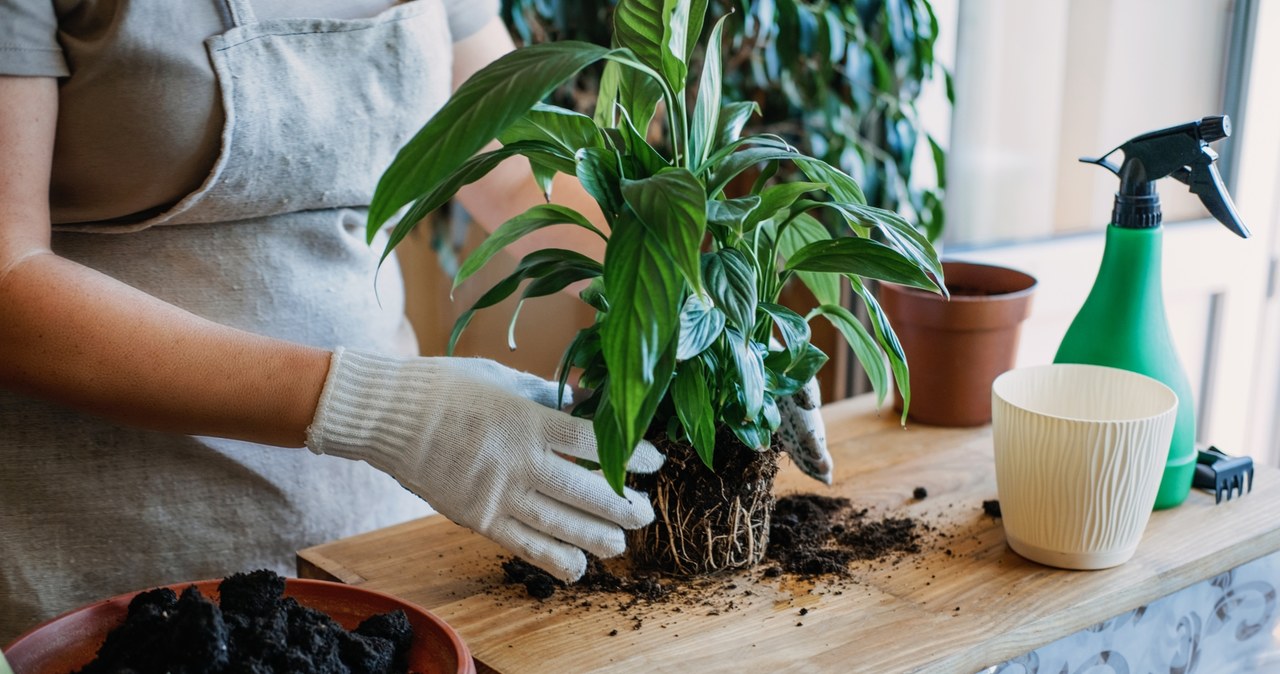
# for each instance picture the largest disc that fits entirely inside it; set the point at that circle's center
(465, 16)
(29, 39)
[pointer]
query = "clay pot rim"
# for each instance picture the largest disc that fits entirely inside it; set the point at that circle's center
(1030, 288)
(306, 587)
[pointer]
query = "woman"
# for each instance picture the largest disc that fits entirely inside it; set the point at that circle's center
(184, 279)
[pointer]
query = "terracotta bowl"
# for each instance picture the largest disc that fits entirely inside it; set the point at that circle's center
(71, 640)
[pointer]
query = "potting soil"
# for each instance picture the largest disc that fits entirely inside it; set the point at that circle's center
(255, 630)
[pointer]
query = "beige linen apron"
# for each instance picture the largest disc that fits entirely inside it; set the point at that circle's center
(272, 242)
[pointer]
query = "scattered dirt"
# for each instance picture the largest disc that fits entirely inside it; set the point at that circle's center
(812, 537)
(920, 493)
(255, 629)
(991, 508)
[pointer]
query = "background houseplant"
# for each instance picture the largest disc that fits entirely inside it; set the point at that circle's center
(685, 298)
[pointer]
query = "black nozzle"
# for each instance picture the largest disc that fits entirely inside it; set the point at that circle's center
(1181, 152)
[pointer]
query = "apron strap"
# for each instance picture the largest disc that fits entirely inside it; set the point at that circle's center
(241, 12)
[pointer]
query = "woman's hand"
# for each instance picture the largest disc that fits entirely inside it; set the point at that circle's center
(480, 443)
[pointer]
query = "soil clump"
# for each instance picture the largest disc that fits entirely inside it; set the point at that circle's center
(253, 629)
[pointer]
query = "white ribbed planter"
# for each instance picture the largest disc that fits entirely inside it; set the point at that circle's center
(1079, 452)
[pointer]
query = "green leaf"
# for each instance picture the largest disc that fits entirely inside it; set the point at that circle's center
(864, 346)
(839, 184)
(794, 329)
(646, 159)
(570, 354)
(899, 234)
(692, 399)
(638, 335)
(470, 171)
(700, 325)
(611, 443)
(656, 31)
(594, 295)
(534, 265)
(731, 282)
(785, 374)
(706, 112)
(777, 197)
(485, 105)
(888, 340)
(733, 116)
(597, 170)
(730, 216)
(552, 282)
(570, 131)
(731, 166)
(535, 218)
(673, 207)
(861, 257)
(804, 230)
(750, 367)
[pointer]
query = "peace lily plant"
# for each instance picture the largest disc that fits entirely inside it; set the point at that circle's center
(686, 297)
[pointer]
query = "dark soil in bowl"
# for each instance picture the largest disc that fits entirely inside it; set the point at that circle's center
(255, 630)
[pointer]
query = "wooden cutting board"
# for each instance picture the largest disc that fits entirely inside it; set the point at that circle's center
(964, 602)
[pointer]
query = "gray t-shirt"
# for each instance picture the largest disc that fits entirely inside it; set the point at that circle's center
(139, 118)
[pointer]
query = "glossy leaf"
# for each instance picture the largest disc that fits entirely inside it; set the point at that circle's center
(862, 257)
(570, 131)
(470, 171)
(538, 217)
(838, 183)
(701, 323)
(888, 341)
(480, 109)
(644, 286)
(750, 366)
(706, 112)
(732, 118)
(786, 373)
(794, 329)
(691, 397)
(672, 205)
(597, 170)
(864, 346)
(731, 281)
(896, 232)
(656, 31)
(534, 265)
(802, 231)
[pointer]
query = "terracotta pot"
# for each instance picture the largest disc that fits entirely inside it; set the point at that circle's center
(70, 641)
(956, 348)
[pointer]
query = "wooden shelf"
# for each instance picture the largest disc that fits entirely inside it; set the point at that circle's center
(963, 603)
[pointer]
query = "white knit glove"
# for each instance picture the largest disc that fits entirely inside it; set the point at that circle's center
(803, 434)
(478, 441)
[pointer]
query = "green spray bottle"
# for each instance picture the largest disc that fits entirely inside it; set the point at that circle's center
(1122, 323)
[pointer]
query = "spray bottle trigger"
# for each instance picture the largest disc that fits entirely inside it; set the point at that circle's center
(1102, 161)
(1206, 183)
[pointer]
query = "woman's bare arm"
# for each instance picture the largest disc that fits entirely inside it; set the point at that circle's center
(77, 337)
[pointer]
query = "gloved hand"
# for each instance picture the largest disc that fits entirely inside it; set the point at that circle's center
(478, 442)
(803, 434)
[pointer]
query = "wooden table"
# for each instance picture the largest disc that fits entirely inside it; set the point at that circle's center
(965, 602)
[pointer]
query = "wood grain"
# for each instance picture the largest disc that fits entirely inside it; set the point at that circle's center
(963, 603)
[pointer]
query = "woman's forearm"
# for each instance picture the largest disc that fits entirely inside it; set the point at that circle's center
(82, 339)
